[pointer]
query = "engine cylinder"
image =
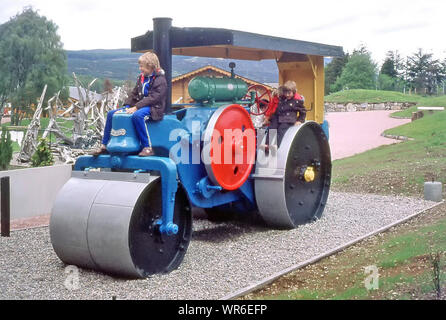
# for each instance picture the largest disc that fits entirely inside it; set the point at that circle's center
(217, 89)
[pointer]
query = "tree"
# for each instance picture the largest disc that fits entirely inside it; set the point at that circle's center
(359, 72)
(31, 55)
(5, 149)
(391, 75)
(333, 71)
(386, 82)
(388, 68)
(424, 72)
(443, 71)
(5, 81)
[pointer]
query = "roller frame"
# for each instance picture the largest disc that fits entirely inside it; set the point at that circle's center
(165, 166)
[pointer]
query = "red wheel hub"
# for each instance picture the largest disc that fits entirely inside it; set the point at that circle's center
(262, 99)
(231, 137)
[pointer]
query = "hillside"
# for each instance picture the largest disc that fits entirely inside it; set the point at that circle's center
(116, 64)
(121, 64)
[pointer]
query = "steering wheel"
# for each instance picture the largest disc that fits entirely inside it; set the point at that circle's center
(262, 98)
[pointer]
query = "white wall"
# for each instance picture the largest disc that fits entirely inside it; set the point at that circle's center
(34, 190)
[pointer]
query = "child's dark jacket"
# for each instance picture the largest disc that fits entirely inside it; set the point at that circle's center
(156, 97)
(287, 110)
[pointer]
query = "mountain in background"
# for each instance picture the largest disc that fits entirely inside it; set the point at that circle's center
(121, 64)
(117, 64)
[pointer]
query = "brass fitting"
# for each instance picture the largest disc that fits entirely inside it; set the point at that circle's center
(309, 174)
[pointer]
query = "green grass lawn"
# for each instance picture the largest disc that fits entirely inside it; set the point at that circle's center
(379, 96)
(406, 113)
(65, 125)
(370, 96)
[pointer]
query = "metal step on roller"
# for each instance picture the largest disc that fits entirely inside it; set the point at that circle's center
(105, 221)
(292, 182)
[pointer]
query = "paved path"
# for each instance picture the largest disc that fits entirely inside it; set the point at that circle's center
(356, 132)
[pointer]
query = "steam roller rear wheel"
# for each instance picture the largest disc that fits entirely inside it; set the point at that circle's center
(293, 189)
(109, 226)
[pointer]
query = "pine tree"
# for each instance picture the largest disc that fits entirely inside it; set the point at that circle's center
(388, 68)
(392, 73)
(5, 149)
(424, 72)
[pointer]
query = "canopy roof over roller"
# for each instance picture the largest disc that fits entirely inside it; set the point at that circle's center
(233, 44)
(299, 61)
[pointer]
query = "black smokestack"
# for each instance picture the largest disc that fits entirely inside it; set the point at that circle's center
(163, 49)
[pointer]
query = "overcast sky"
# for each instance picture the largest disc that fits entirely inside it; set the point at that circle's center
(381, 25)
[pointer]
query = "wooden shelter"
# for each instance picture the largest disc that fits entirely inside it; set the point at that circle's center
(300, 61)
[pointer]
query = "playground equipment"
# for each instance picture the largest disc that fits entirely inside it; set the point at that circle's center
(131, 216)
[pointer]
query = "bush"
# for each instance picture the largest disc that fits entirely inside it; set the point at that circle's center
(43, 156)
(386, 83)
(5, 149)
(358, 73)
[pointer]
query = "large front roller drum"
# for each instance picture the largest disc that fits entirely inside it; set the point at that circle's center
(108, 226)
(293, 188)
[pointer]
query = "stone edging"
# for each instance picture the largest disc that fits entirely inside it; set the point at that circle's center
(391, 136)
(350, 107)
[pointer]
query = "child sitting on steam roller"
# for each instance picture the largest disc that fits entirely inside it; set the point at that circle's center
(148, 98)
(287, 109)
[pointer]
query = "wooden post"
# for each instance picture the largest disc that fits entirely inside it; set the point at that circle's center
(420, 114)
(5, 207)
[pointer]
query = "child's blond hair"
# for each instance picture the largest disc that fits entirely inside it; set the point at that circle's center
(150, 60)
(290, 86)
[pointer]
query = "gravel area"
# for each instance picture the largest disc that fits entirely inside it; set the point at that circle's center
(221, 258)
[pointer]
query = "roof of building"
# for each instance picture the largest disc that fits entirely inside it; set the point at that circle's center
(218, 70)
(272, 84)
(233, 44)
(74, 94)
